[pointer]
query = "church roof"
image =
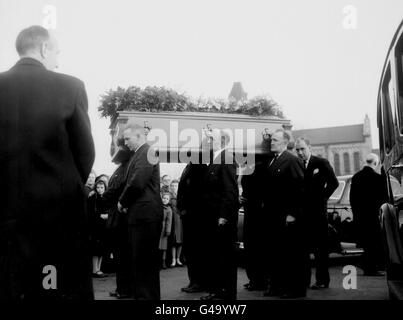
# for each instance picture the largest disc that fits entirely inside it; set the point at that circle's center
(332, 135)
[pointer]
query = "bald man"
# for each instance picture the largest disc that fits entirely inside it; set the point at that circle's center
(46, 155)
(220, 199)
(368, 192)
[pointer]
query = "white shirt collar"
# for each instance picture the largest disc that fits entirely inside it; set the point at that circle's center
(217, 153)
(139, 146)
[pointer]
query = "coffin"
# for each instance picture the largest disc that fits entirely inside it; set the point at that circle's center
(176, 135)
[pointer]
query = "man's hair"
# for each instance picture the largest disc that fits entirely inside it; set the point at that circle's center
(31, 38)
(372, 159)
(286, 135)
(300, 139)
(134, 127)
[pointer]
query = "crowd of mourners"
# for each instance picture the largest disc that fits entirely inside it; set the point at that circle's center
(105, 235)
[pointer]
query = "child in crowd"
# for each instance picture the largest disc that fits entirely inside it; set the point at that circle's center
(98, 215)
(166, 227)
(165, 182)
(176, 237)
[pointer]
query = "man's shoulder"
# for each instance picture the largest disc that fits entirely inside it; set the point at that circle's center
(291, 158)
(66, 79)
(320, 162)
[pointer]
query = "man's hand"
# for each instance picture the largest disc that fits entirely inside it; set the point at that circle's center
(289, 220)
(242, 200)
(91, 193)
(104, 216)
(222, 221)
(120, 207)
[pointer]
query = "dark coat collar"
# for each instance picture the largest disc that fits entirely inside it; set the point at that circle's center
(29, 61)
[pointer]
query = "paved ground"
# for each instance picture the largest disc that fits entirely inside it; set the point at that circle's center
(368, 288)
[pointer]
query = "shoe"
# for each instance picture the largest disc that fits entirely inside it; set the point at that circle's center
(173, 264)
(123, 296)
(180, 264)
(256, 287)
(246, 285)
(99, 274)
(194, 289)
(318, 286)
(187, 287)
(113, 294)
(216, 296)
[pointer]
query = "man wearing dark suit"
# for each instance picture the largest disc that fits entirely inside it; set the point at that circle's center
(253, 227)
(221, 204)
(117, 222)
(141, 196)
(190, 190)
(282, 209)
(46, 155)
(368, 192)
(320, 183)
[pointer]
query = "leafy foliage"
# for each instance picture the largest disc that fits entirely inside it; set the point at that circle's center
(161, 99)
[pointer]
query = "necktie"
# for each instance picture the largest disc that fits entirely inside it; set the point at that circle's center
(306, 164)
(273, 160)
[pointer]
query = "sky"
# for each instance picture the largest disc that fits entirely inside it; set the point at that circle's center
(320, 60)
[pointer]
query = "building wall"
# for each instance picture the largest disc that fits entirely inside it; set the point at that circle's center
(330, 152)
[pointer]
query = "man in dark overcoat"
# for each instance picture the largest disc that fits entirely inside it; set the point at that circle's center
(141, 197)
(367, 194)
(190, 191)
(320, 183)
(118, 233)
(46, 155)
(221, 204)
(282, 209)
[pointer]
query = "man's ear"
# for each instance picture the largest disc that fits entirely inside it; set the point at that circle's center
(42, 50)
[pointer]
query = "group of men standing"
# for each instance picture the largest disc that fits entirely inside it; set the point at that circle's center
(286, 219)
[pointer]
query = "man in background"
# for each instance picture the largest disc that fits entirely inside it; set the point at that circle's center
(46, 155)
(320, 183)
(367, 194)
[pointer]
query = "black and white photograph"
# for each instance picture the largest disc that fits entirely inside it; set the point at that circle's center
(218, 152)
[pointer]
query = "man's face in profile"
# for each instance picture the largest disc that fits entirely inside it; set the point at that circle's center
(277, 142)
(131, 139)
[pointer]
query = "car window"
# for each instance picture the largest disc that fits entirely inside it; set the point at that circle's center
(339, 191)
(397, 189)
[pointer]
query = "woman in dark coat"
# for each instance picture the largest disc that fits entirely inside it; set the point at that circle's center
(98, 219)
